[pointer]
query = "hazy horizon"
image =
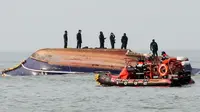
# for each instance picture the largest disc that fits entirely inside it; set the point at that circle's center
(32, 25)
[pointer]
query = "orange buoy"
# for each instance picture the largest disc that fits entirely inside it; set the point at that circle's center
(163, 70)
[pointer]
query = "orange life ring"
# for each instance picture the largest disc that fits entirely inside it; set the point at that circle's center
(160, 70)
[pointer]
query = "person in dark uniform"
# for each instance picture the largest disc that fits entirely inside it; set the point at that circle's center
(65, 39)
(112, 40)
(101, 39)
(124, 41)
(164, 56)
(154, 48)
(79, 39)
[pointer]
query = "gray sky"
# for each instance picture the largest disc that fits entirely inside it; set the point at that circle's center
(28, 25)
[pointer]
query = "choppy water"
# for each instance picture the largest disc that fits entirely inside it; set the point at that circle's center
(79, 93)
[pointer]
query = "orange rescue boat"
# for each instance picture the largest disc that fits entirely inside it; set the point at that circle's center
(169, 72)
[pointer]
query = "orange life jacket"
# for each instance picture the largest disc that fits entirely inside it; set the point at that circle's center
(140, 63)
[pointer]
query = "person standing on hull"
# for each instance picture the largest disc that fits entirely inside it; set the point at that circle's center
(79, 39)
(101, 39)
(154, 48)
(65, 39)
(112, 40)
(124, 41)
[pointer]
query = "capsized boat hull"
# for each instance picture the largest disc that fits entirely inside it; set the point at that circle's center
(64, 61)
(34, 67)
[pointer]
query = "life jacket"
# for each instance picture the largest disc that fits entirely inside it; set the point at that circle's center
(140, 64)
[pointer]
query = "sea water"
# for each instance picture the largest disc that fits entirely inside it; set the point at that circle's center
(80, 93)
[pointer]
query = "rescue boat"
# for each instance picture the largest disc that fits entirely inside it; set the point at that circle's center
(169, 72)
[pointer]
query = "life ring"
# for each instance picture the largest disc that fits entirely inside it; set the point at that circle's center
(161, 71)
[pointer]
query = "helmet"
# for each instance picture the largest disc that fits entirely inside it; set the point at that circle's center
(163, 52)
